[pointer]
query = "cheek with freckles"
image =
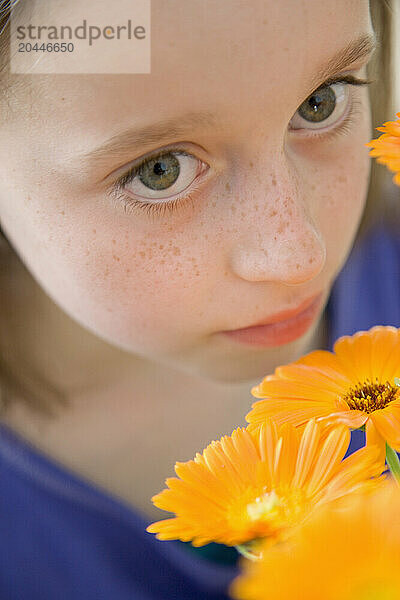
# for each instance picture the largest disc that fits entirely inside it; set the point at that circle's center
(140, 292)
(342, 202)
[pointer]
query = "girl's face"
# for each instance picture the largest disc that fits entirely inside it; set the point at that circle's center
(250, 211)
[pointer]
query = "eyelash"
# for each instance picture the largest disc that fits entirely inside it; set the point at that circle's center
(160, 208)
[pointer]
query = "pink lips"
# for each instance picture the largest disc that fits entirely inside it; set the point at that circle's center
(281, 328)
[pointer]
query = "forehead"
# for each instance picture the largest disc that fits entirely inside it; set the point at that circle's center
(241, 50)
(230, 56)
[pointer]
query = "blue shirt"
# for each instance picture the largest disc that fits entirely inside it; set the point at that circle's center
(63, 538)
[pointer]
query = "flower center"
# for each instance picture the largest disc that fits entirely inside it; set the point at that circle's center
(277, 509)
(266, 506)
(370, 396)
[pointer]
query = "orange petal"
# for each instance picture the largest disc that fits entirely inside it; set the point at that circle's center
(275, 387)
(352, 418)
(296, 412)
(307, 452)
(327, 364)
(331, 454)
(391, 127)
(391, 367)
(355, 352)
(386, 345)
(356, 471)
(285, 465)
(388, 425)
(374, 438)
(314, 377)
(268, 438)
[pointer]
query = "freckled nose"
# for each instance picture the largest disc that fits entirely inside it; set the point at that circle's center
(290, 252)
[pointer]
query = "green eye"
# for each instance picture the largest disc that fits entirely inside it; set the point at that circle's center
(162, 175)
(159, 173)
(160, 182)
(324, 107)
(319, 106)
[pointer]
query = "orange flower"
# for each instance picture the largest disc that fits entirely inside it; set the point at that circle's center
(259, 484)
(355, 386)
(348, 554)
(386, 148)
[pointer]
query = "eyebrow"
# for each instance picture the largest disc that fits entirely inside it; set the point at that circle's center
(121, 144)
(357, 50)
(152, 134)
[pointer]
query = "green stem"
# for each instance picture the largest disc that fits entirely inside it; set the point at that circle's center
(243, 549)
(393, 462)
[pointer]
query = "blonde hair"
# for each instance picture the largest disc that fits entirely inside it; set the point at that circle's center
(19, 379)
